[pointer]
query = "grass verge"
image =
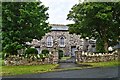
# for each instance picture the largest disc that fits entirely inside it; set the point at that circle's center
(18, 70)
(103, 64)
(92, 65)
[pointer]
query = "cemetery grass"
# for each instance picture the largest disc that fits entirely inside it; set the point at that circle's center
(20, 70)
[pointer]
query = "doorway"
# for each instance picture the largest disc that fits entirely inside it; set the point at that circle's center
(73, 48)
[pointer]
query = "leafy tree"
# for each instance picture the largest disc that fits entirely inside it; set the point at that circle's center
(22, 22)
(0, 27)
(98, 20)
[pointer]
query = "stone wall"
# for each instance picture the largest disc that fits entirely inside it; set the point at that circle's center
(95, 57)
(13, 60)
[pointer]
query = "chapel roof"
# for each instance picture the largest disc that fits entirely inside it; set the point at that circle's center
(59, 27)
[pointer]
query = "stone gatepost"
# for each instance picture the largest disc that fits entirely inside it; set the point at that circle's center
(55, 56)
(55, 52)
(76, 56)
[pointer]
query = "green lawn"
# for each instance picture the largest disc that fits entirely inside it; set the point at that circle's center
(103, 64)
(17, 70)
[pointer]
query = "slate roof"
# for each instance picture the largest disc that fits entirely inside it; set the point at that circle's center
(59, 27)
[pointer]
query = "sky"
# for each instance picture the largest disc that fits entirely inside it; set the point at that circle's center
(58, 10)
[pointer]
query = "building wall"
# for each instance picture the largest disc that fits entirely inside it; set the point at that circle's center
(71, 41)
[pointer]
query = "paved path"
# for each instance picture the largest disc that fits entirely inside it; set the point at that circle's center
(110, 72)
(69, 63)
(70, 60)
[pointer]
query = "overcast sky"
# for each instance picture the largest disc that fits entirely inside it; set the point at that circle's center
(58, 10)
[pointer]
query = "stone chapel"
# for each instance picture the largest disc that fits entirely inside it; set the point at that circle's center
(66, 42)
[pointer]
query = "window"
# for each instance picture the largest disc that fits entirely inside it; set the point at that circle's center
(49, 41)
(62, 41)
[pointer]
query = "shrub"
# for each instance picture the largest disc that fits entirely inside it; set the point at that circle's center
(42, 56)
(45, 52)
(3, 55)
(31, 51)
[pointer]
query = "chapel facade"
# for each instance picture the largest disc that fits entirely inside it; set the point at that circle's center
(66, 42)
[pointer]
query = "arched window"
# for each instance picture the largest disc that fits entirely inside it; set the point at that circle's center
(49, 41)
(62, 41)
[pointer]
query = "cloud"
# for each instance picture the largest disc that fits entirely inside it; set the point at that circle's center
(58, 10)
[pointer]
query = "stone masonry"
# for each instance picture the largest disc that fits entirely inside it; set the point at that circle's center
(68, 43)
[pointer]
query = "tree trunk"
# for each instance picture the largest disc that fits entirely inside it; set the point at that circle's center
(103, 36)
(106, 46)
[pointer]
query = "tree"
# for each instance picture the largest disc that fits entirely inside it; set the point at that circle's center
(98, 20)
(22, 22)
